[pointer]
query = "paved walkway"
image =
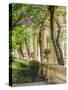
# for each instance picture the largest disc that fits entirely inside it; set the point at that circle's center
(30, 84)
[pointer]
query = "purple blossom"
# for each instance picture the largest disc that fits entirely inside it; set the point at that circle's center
(30, 21)
(21, 21)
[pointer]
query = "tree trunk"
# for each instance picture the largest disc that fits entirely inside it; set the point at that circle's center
(20, 52)
(52, 9)
(28, 49)
(52, 30)
(58, 45)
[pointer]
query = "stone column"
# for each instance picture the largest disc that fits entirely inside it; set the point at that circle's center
(43, 47)
(35, 42)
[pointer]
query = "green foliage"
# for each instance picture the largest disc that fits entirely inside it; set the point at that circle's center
(16, 37)
(24, 72)
(34, 68)
(20, 33)
(16, 63)
(21, 75)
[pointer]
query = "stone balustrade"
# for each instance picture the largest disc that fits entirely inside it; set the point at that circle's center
(55, 73)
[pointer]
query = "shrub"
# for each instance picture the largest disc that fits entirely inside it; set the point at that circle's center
(21, 75)
(34, 68)
(17, 64)
(16, 76)
(25, 73)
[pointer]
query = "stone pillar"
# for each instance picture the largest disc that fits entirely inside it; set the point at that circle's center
(35, 42)
(43, 43)
(43, 47)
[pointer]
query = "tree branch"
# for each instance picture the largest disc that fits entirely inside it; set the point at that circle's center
(16, 22)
